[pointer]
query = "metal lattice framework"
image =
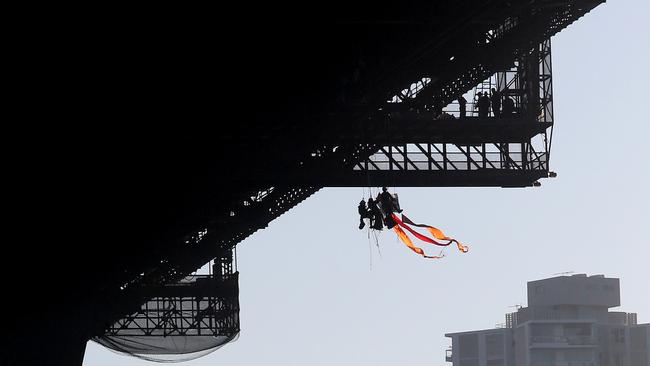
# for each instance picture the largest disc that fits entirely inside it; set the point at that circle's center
(179, 316)
(522, 153)
(455, 157)
(198, 305)
(362, 149)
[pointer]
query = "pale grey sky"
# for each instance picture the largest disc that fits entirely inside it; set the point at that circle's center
(309, 297)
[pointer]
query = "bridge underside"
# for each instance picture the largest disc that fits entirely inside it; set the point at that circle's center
(478, 178)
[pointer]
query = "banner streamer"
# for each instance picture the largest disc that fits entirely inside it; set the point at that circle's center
(437, 233)
(418, 235)
(406, 240)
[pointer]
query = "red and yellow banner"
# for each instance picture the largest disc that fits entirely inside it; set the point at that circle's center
(437, 233)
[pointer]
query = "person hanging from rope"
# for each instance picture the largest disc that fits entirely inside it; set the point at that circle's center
(381, 211)
(388, 204)
(374, 213)
(364, 213)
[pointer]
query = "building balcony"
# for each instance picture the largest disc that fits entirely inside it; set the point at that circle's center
(563, 341)
(448, 356)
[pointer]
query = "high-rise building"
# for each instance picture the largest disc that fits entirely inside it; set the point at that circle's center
(567, 323)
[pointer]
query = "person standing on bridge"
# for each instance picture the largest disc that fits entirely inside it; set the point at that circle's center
(483, 104)
(495, 98)
(461, 105)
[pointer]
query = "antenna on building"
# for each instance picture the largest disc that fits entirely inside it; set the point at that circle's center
(563, 273)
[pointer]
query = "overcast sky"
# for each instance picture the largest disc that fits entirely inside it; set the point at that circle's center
(309, 295)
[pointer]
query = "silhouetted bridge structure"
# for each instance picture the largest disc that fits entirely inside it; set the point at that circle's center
(347, 108)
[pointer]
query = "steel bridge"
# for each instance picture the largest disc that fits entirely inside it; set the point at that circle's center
(364, 121)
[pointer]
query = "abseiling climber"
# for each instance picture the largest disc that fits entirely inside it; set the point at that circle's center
(388, 204)
(363, 213)
(375, 215)
(383, 210)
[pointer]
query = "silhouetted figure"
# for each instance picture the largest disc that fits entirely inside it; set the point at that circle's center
(363, 213)
(483, 104)
(495, 98)
(461, 104)
(508, 106)
(387, 202)
(375, 215)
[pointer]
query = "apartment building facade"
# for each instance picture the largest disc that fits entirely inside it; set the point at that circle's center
(567, 323)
